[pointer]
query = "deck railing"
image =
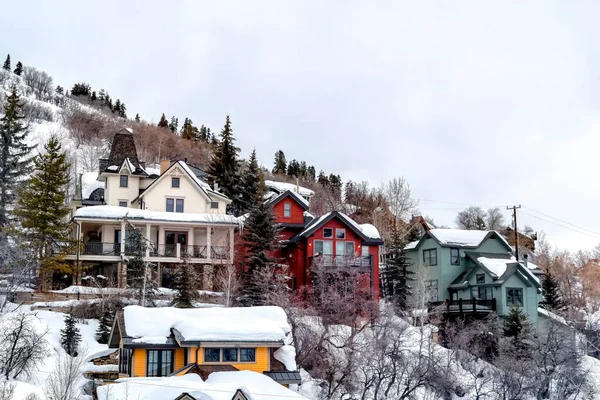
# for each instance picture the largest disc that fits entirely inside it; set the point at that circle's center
(466, 306)
(342, 261)
(101, 249)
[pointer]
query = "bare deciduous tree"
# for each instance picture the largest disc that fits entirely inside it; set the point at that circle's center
(227, 281)
(494, 219)
(399, 198)
(471, 218)
(62, 384)
(39, 81)
(18, 268)
(22, 347)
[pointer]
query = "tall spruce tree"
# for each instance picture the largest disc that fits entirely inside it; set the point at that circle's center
(311, 173)
(137, 118)
(396, 275)
(139, 272)
(552, 299)
(174, 124)
(70, 337)
(250, 184)
(224, 168)
(188, 130)
(260, 240)
(163, 123)
(280, 167)
(517, 326)
(104, 328)
(184, 283)
(6, 64)
(202, 134)
(14, 152)
(42, 207)
(19, 68)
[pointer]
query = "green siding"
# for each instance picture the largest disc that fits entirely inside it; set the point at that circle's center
(446, 273)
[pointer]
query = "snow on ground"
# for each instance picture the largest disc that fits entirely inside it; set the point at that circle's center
(218, 386)
(53, 322)
(206, 324)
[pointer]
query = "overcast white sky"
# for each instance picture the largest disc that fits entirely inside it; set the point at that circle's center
(472, 102)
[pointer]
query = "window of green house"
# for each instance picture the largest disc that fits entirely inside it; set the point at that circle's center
(480, 278)
(430, 257)
(514, 297)
(454, 256)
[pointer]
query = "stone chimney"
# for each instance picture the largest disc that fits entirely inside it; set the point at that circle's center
(525, 260)
(164, 165)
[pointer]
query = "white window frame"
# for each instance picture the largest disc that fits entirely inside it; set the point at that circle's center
(340, 230)
(325, 236)
(287, 210)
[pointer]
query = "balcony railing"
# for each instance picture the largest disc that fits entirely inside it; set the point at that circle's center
(219, 252)
(342, 261)
(164, 250)
(195, 251)
(461, 306)
(101, 249)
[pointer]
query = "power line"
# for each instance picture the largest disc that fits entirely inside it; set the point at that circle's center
(456, 202)
(560, 220)
(561, 225)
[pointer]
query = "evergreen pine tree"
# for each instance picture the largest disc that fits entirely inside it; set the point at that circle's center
(188, 130)
(104, 328)
(19, 68)
(93, 97)
(303, 169)
(184, 283)
(311, 173)
(293, 168)
(117, 106)
(322, 179)
(60, 89)
(213, 139)
(102, 96)
(14, 162)
(224, 168)
(139, 271)
(260, 240)
(6, 64)
(396, 275)
(552, 299)
(163, 123)
(250, 184)
(70, 336)
(174, 124)
(202, 135)
(280, 167)
(137, 118)
(517, 326)
(42, 207)
(122, 110)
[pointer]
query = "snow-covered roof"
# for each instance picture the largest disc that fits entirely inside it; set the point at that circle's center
(370, 231)
(89, 183)
(412, 245)
(118, 213)
(153, 169)
(460, 237)
(218, 386)
(237, 324)
(281, 187)
(498, 266)
(273, 198)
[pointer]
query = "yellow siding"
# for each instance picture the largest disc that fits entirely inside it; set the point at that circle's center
(192, 354)
(139, 363)
(179, 359)
(261, 364)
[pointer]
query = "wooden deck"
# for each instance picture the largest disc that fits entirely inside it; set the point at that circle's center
(469, 306)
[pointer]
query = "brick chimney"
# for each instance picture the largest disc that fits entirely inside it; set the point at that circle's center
(164, 165)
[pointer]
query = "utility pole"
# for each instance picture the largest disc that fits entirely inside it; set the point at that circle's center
(514, 210)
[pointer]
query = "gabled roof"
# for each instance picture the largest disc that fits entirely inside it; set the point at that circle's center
(280, 187)
(500, 267)
(202, 186)
(346, 220)
(288, 193)
(466, 239)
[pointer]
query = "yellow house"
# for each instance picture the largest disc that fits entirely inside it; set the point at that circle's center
(157, 342)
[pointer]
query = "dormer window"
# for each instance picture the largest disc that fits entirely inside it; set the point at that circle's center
(340, 233)
(327, 233)
(287, 210)
(124, 181)
(175, 182)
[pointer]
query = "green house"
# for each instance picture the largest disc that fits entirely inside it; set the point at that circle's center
(472, 272)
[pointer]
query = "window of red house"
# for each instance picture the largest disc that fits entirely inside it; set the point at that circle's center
(327, 233)
(340, 233)
(287, 210)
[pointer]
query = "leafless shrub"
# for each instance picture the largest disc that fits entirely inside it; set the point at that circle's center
(227, 281)
(7, 390)
(62, 382)
(36, 112)
(22, 347)
(18, 268)
(40, 82)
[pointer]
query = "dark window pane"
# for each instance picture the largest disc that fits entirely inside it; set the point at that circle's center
(318, 246)
(170, 205)
(166, 362)
(454, 257)
(340, 233)
(179, 208)
(230, 355)
(247, 355)
(214, 204)
(124, 179)
(480, 278)
(327, 232)
(175, 182)
(211, 355)
(122, 204)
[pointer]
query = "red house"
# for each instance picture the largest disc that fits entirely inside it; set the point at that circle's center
(333, 239)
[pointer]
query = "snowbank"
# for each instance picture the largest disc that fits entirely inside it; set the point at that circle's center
(370, 231)
(246, 324)
(281, 187)
(119, 213)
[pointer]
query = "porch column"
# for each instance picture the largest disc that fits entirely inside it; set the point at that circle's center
(191, 253)
(208, 244)
(231, 244)
(123, 229)
(148, 240)
(79, 268)
(121, 266)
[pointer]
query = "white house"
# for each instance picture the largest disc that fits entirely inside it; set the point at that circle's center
(181, 217)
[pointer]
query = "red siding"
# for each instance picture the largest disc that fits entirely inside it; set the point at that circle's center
(297, 215)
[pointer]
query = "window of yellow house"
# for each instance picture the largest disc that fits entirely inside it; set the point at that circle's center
(229, 355)
(159, 362)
